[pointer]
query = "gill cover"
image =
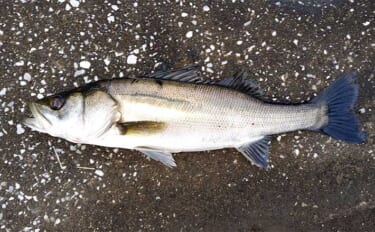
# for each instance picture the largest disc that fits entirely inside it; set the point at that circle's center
(100, 112)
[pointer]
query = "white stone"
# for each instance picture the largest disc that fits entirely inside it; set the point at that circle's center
(19, 63)
(3, 92)
(111, 18)
(85, 64)
(99, 172)
(20, 129)
(114, 7)
(117, 54)
(189, 34)
(247, 23)
(132, 59)
(107, 61)
(27, 77)
(74, 3)
(57, 221)
(79, 72)
(206, 8)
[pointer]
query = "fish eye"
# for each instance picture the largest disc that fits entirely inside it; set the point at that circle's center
(56, 102)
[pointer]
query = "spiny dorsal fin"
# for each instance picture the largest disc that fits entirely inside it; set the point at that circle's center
(242, 82)
(257, 152)
(187, 74)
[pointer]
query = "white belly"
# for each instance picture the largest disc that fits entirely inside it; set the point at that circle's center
(179, 138)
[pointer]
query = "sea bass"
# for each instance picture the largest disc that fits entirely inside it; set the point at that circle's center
(176, 111)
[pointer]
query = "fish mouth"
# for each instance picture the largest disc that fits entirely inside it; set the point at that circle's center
(38, 121)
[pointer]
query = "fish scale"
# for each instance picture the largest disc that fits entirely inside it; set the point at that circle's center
(218, 114)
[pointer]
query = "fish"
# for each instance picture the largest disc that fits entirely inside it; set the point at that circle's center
(174, 111)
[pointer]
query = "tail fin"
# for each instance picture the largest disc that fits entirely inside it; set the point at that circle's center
(340, 98)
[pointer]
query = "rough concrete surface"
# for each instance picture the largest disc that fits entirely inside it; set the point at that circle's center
(293, 49)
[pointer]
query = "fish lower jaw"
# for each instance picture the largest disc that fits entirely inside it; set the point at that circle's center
(33, 124)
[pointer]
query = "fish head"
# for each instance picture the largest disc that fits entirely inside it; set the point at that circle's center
(77, 116)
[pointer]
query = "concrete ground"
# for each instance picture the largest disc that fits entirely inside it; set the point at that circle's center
(315, 183)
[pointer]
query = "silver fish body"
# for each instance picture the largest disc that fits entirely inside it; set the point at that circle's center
(203, 117)
(177, 112)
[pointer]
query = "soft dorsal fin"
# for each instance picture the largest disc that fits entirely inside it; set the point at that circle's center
(187, 74)
(242, 82)
(239, 81)
(164, 157)
(257, 152)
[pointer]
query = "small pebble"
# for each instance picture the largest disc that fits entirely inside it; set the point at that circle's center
(206, 8)
(3, 91)
(132, 59)
(189, 34)
(99, 172)
(74, 3)
(111, 18)
(27, 77)
(85, 64)
(20, 129)
(366, 23)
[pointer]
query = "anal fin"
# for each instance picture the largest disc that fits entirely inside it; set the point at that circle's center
(164, 157)
(257, 152)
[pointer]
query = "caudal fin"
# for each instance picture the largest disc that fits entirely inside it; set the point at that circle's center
(340, 98)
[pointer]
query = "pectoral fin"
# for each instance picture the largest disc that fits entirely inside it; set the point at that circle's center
(140, 127)
(257, 152)
(165, 157)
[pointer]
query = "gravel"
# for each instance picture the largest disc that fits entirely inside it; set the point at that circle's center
(293, 50)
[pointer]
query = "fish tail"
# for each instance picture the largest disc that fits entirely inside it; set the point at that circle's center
(339, 99)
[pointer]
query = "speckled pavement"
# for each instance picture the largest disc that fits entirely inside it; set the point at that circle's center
(293, 50)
